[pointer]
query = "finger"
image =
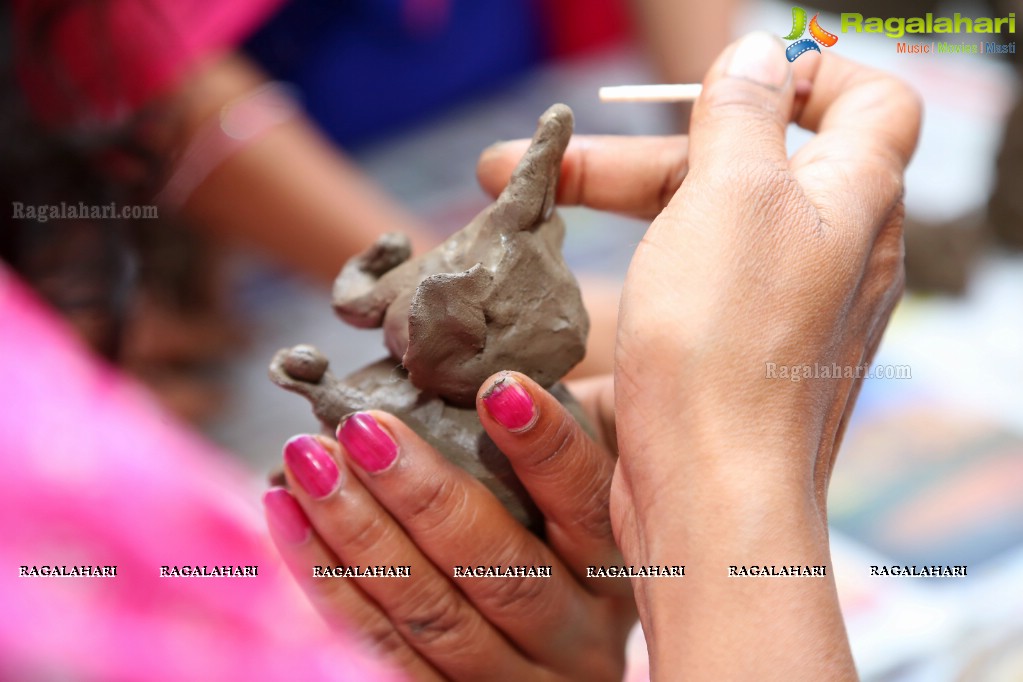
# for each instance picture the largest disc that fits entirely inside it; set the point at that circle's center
(635, 176)
(458, 522)
(848, 96)
(565, 472)
(738, 122)
(867, 125)
(596, 396)
(340, 602)
(425, 608)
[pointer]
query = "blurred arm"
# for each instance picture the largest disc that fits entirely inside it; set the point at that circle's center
(289, 192)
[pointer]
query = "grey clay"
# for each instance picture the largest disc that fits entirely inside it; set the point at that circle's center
(496, 295)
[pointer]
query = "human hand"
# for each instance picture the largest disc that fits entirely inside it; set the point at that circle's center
(756, 259)
(383, 497)
(785, 261)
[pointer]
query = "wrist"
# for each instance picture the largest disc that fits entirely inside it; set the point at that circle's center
(722, 512)
(722, 477)
(757, 564)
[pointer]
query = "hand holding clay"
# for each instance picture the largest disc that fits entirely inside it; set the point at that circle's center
(757, 260)
(383, 497)
(495, 295)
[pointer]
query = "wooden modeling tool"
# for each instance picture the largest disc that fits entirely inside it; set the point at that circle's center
(669, 92)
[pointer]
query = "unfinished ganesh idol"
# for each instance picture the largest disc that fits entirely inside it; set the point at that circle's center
(495, 296)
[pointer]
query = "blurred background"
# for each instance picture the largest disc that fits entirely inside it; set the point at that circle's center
(377, 114)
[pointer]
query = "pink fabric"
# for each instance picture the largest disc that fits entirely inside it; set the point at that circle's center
(112, 56)
(96, 474)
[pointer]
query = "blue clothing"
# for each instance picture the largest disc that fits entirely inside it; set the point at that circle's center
(364, 69)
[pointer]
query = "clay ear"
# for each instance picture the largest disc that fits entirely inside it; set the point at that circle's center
(530, 195)
(447, 334)
(356, 298)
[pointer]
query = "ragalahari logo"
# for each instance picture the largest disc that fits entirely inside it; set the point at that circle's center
(818, 34)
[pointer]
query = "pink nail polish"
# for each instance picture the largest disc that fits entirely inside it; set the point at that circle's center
(369, 445)
(510, 404)
(311, 465)
(286, 516)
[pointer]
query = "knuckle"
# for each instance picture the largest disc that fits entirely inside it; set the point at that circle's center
(554, 442)
(887, 93)
(521, 596)
(573, 190)
(436, 619)
(437, 497)
(517, 595)
(384, 640)
(740, 98)
(892, 87)
(363, 531)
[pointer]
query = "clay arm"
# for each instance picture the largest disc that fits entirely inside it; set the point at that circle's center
(303, 370)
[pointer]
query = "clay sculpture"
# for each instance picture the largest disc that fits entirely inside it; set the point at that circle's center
(496, 295)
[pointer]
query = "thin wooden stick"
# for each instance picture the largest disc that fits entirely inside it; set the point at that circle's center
(675, 92)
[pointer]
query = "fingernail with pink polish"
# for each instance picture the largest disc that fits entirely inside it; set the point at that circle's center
(370, 446)
(510, 405)
(286, 516)
(312, 466)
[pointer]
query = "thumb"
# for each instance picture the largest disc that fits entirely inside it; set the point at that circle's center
(747, 99)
